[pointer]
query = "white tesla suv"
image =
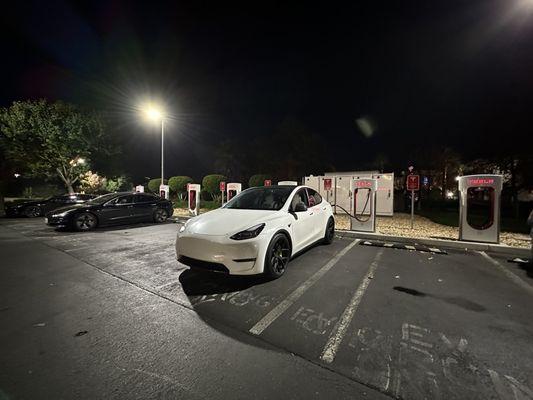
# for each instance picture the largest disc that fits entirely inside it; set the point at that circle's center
(257, 231)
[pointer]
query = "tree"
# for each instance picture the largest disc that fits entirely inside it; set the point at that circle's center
(258, 180)
(153, 185)
(178, 185)
(118, 183)
(43, 139)
(91, 182)
(211, 184)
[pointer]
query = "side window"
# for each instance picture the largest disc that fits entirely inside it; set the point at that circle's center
(125, 200)
(314, 198)
(144, 198)
(300, 196)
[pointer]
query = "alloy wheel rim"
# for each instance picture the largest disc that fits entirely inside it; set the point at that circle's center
(280, 256)
(85, 222)
(33, 212)
(160, 215)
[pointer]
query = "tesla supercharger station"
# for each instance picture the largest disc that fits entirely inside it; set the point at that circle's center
(363, 204)
(139, 189)
(193, 191)
(232, 190)
(479, 212)
(164, 191)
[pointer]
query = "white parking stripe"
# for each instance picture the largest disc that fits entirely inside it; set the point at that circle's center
(409, 247)
(338, 332)
(388, 245)
(508, 273)
(264, 323)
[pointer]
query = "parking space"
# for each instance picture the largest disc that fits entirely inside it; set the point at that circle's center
(407, 323)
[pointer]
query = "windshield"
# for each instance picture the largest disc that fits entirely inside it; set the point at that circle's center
(102, 199)
(261, 198)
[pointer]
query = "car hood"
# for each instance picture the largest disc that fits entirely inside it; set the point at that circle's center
(71, 207)
(225, 221)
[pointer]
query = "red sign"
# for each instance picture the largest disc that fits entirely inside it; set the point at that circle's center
(363, 184)
(481, 181)
(222, 186)
(327, 184)
(268, 182)
(413, 182)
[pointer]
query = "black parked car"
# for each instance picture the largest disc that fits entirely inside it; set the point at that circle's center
(37, 208)
(114, 208)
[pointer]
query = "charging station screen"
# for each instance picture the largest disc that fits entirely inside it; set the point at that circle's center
(192, 199)
(480, 207)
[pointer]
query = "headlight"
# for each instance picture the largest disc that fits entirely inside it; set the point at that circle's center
(182, 229)
(248, 233)
(60, 214)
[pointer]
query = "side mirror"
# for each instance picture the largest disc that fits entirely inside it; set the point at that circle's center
(300, 207)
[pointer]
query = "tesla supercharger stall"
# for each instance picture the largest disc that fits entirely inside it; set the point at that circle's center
(363, 204)
(232, 190)
(164, 191)
(193, 192)
(479, 208)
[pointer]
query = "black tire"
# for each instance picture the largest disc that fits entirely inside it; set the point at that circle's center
(277, 256)
(329, 235)
(160, 215)
(84, 222)
(32, 211)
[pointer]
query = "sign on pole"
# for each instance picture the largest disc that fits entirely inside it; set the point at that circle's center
(413, 183)
(327, 184)
(268, 182)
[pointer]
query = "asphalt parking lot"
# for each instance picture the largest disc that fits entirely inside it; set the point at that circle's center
(378, 321)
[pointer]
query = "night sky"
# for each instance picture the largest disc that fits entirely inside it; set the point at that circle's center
(423, 74)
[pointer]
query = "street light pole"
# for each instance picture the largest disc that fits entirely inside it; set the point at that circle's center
(162, 150)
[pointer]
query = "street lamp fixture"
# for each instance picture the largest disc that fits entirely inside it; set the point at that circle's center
(156, 114)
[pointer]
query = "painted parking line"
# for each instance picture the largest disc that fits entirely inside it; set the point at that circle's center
(340, 328)
(265, 322)
(524, 285)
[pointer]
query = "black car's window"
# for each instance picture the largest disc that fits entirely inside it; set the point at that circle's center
(85, 196)
(261, 198)
(145, 198)
(102, 199)
(124, 199)
(299, 197)
(314, 197)
(59, 199)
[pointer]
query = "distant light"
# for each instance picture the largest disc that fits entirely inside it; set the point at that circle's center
(366, 126)
(457, 178)
(16, 175)
(81, 161)
(449, 194)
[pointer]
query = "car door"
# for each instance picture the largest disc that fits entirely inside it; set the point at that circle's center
(302, 227)
(144, 206)
(319, 213)
(118, 210)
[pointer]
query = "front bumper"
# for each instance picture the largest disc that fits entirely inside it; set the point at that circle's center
(221, 254)
(59, 222)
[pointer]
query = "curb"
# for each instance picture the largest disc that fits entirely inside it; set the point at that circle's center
(451, 244)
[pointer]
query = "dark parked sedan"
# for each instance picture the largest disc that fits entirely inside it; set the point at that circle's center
(37, 208)
(110, 209)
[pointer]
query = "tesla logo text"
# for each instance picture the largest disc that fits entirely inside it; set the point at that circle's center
(481, 181)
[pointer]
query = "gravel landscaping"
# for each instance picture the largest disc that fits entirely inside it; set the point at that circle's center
(400, 225)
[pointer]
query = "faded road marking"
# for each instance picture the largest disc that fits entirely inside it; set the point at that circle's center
(336, 336)
(508, 273)
(265, 322)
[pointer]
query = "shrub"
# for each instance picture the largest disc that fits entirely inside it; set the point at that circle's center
(153, 185)
(211, 184)
(178, 185)
(258, 180)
